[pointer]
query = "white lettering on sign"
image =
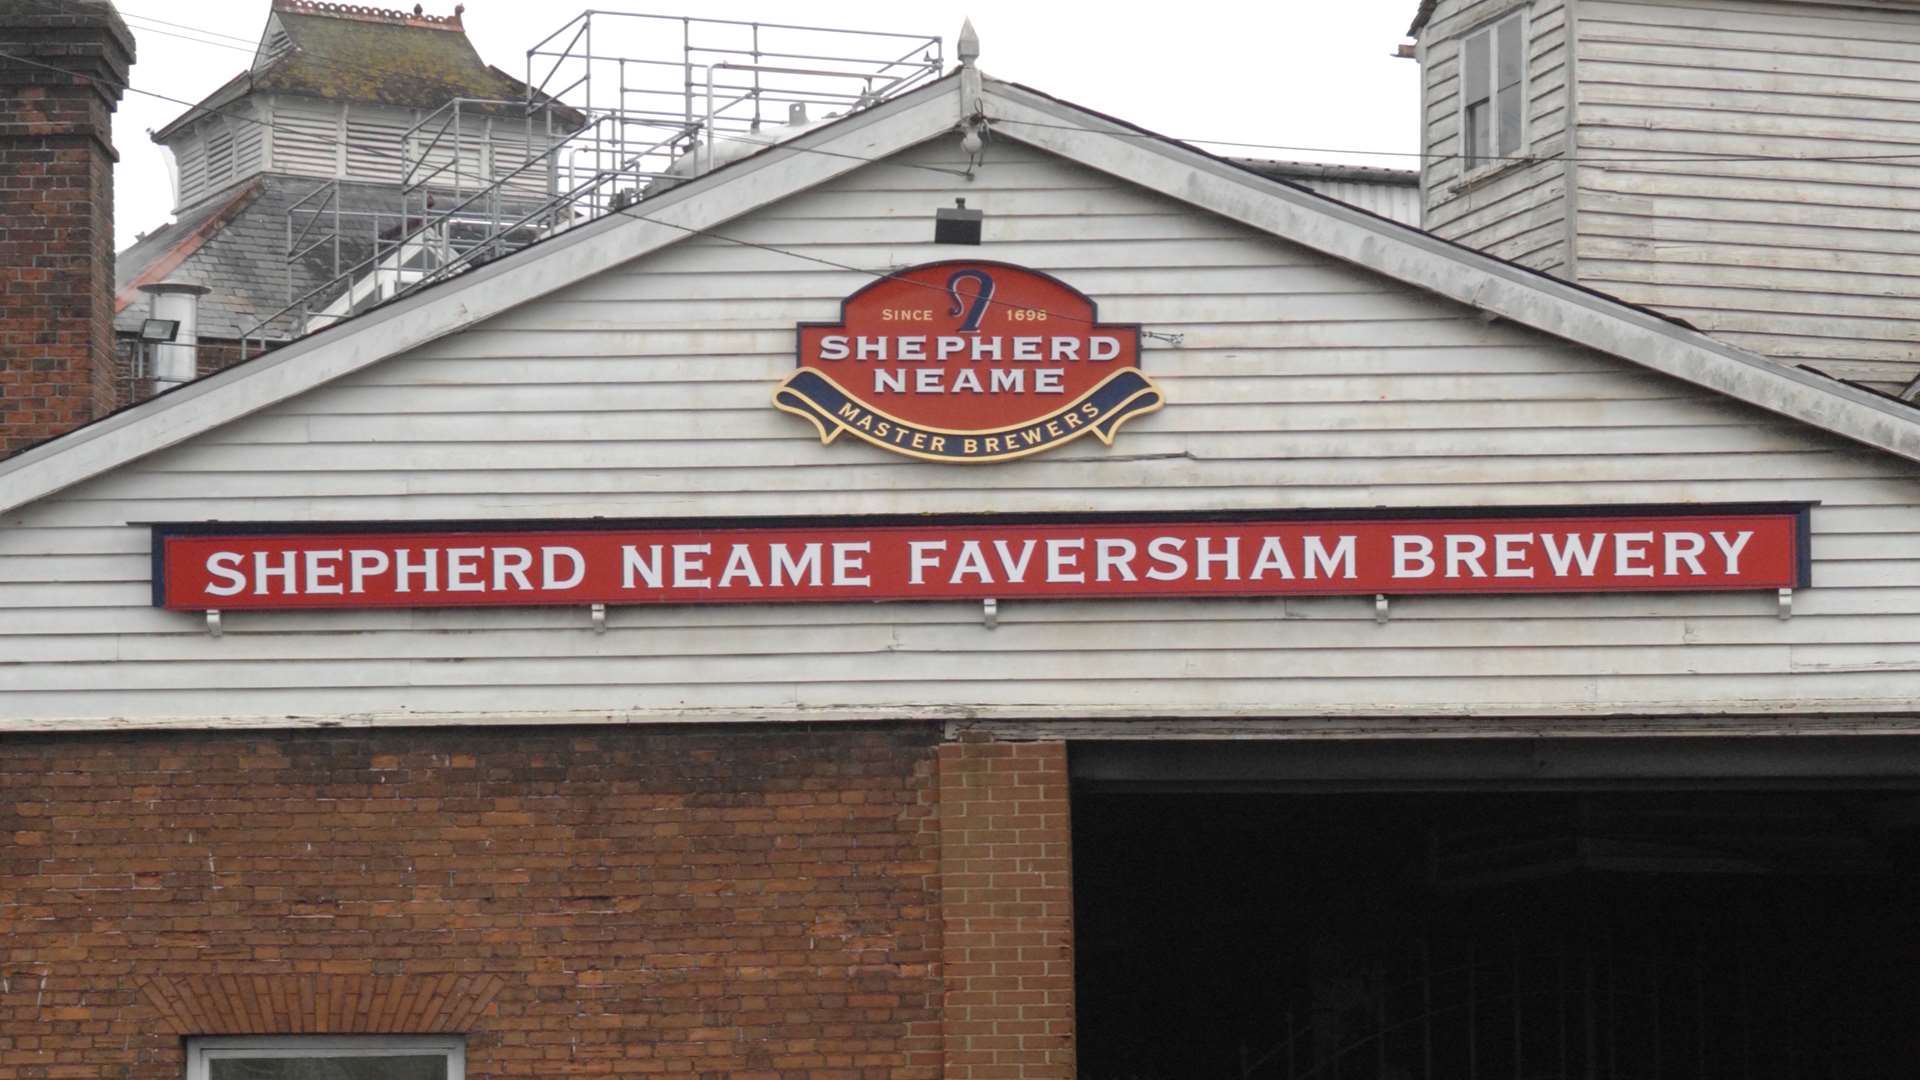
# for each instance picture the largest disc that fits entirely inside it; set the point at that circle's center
(690, 566)
(789, 569)
(1509, 551)
(367, 564)
(1273, 560)
(1570, 551)
(1412, 557)
(1113, 557)
(225, 566)
(1732, 548)
(551, 558)
(1630, 554)
(1063, 560)
(512, 564)
(1195, 559)
(849, 562)
(955, 361)
(1336, 563)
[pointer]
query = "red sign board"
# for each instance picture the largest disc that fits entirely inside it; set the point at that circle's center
(1629, 549)
(968, 361)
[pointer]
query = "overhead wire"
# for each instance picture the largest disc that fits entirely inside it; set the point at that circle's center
(1678, 156)
(878, 274)
(893, 274)
(388, 155)
(128, 13)
(1673, 157)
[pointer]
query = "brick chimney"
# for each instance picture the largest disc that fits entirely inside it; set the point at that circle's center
(58, 369)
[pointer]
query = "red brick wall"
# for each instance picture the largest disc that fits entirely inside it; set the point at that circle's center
(58, 365)
(1007, 909)
(749, 903)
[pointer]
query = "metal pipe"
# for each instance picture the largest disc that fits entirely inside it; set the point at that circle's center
(176, 361)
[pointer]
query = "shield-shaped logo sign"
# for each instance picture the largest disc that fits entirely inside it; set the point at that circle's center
(968, 361)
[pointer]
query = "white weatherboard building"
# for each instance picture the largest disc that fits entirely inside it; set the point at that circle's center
(1326, 359)
(1312, 357)
(1742, 165)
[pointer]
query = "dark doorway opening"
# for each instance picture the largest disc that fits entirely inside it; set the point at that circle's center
(1525, 935)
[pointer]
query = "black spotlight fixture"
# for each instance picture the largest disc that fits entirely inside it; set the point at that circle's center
(956, 224)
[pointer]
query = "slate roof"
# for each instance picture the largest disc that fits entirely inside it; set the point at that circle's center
(343, 52)
(235, 244)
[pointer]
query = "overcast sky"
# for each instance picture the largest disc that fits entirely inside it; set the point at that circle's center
(1290, 72)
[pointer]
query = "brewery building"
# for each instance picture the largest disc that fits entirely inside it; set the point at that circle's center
(828, 563)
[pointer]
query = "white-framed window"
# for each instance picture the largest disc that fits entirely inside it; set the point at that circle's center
(326, 1057)
(1493, 98)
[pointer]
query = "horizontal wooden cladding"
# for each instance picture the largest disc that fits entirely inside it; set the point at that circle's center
(819, 475)
(1750, 243)
(1451, 704)
(1815, 84)
(961, 495)
(1519, 213)
(1810, 259)
(651, 665)
(744, 386)
(1295, 382)
(475, 369)
(1516, 215)
(1204, 626)
(1816, 27)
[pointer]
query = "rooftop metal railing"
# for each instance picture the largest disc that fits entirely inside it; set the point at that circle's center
(666, 98)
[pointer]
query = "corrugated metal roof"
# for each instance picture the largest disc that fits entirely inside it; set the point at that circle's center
(1391, 193)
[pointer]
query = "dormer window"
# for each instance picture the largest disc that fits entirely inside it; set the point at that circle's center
(1493, 106)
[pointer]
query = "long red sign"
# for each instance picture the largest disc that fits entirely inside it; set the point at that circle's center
(1627, 549)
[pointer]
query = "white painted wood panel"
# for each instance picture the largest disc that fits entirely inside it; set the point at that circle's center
(643, 393)
(1516, 210)
(1807, 260)
(306, 136)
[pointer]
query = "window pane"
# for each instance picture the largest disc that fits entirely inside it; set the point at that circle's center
(396, 1067)
(1511, 52)
(1479, 58)
(1476, 134)
(1510, 109)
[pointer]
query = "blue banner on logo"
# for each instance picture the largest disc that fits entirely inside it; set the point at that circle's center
(1119, 397)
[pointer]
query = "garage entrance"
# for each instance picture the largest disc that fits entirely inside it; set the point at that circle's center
(1299, 918)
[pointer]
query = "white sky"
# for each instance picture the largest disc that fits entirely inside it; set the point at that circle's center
(1291, 72)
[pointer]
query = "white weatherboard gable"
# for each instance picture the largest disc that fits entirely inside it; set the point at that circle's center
(1300, 380)
(1017, 113)
(1449, 270)
(489, 290)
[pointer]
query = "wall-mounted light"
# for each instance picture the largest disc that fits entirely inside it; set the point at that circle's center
(157, 330)
(956, 224)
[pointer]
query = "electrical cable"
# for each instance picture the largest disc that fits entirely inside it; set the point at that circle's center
(883, 275)
(373, 152)
(1677, 157)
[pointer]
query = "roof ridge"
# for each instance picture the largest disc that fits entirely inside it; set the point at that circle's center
(1493, 287)
(417, 18)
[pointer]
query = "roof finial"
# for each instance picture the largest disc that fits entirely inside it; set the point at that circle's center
(969, 44)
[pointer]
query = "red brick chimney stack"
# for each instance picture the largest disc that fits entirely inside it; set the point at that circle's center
(58, 369)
